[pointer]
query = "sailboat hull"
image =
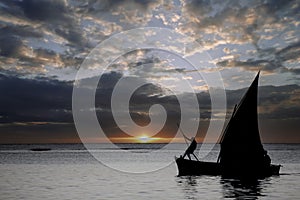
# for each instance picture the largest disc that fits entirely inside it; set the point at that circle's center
(192, 167)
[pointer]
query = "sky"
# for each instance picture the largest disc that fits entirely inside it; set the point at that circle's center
(43, 45)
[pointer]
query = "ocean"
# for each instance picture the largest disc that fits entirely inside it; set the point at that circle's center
(69, 171)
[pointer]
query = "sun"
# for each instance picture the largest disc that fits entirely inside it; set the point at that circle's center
(146, 139)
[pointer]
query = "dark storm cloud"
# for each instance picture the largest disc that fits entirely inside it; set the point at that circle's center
(43, 99)
(274, 6)
(44, 102)
(20, 30)
(50, 10)
(44, 56)
(38, 103)
(42, 21)
(104, 5)
(13, 39)
(204, 6)
(109, 80)
(280, 102)
(56, 16)
(11, 43)
(275, 102)
(10, 46)
(28, 100)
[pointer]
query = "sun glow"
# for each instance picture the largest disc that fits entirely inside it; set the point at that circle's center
(146, 139)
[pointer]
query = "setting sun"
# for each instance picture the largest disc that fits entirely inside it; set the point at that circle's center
(146, 139)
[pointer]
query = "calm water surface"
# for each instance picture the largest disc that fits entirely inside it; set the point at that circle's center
(70, 172)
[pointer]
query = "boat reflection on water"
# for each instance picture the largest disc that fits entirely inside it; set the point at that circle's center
(243, 189)
(189, 186)
(216, 187)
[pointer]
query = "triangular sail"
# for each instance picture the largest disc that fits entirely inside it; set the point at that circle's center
(241, 142)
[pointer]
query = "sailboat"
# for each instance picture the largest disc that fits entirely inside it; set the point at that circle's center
(241, 153)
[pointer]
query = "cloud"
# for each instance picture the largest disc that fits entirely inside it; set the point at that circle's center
(266, 26)
(39, 34)
(47, 103)
(236, 21)
(29, 100)
(42, 41)
(275, 102)
(61, 33)
(10, 46)
(52, 10)
(270, 60)
(109, 5)
(53, 15)
(45, 34)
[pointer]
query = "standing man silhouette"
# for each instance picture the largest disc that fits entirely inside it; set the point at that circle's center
(190, 150)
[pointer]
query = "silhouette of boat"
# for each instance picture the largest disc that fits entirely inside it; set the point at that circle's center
(242, 153)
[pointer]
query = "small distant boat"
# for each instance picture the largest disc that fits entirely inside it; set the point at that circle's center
(242, 153)
(40, 149)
